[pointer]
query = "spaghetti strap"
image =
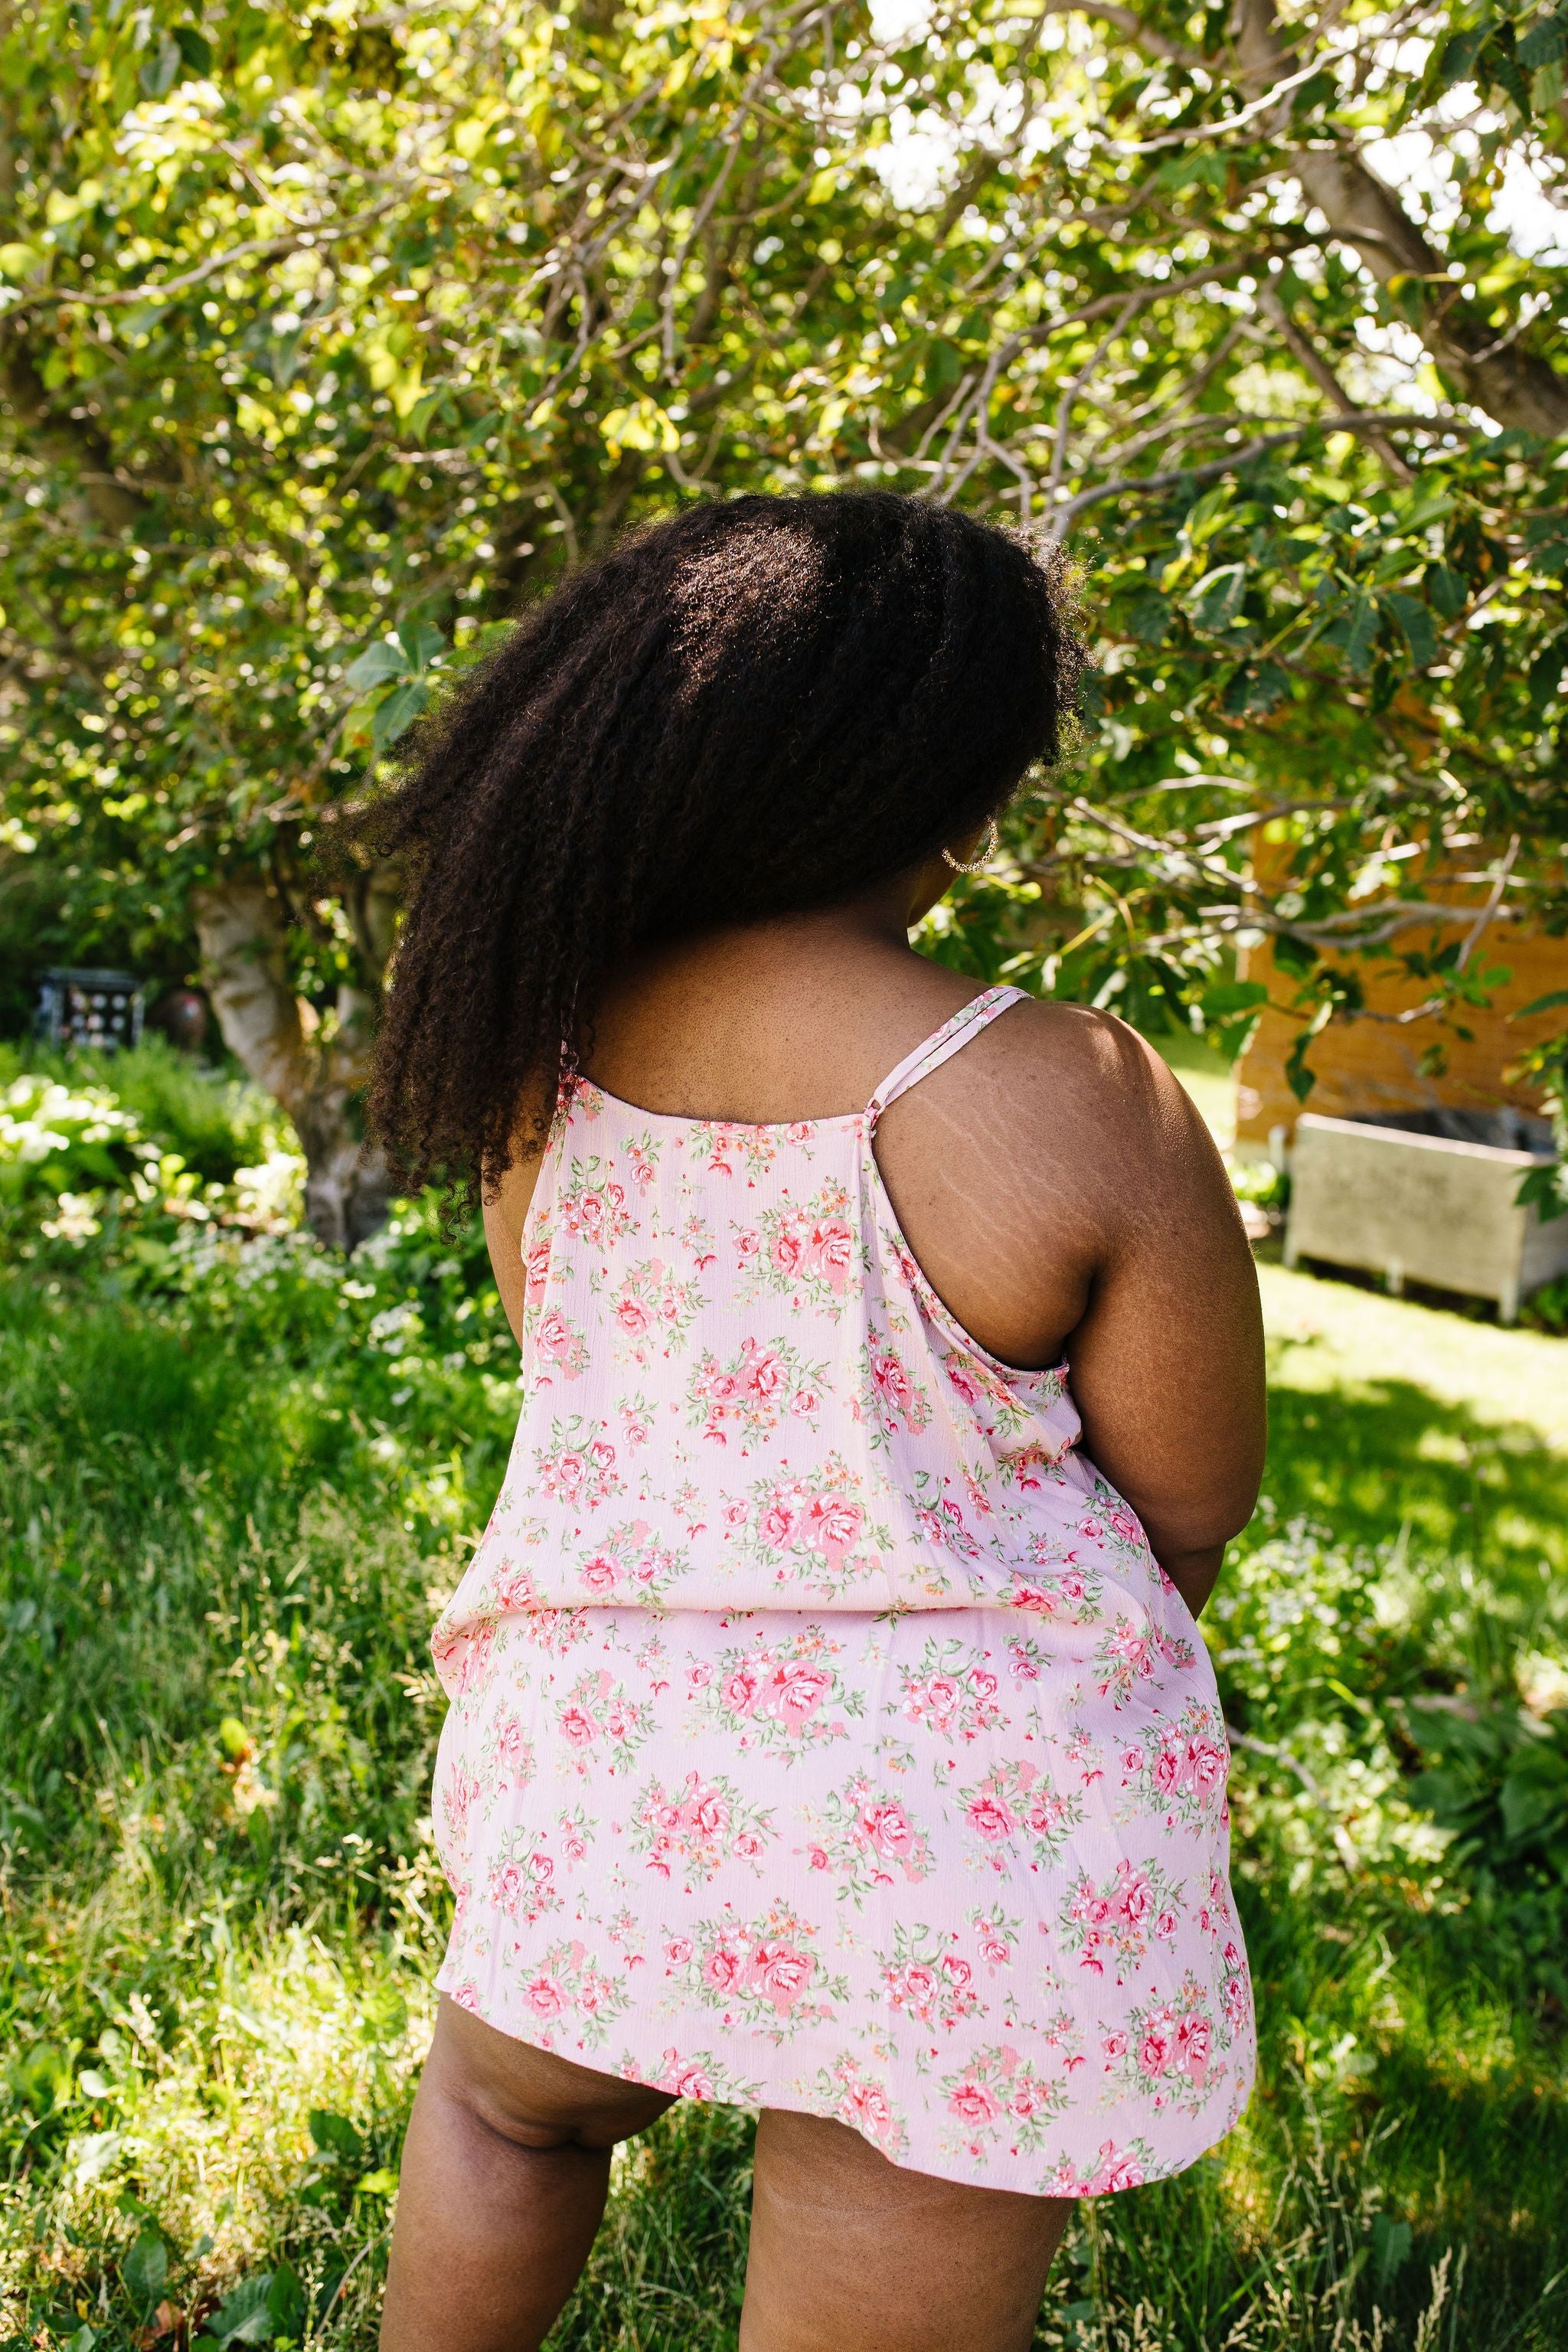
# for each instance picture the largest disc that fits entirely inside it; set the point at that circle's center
(939, 1047)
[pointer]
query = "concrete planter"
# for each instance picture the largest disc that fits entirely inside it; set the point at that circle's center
(1419, 1208)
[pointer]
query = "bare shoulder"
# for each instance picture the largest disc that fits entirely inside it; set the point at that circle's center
(1054, 1150)
(1037, 1044)
(1080, 1097)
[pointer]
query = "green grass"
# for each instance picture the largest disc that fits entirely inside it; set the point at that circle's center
(1207, 1077)
(228, 1513)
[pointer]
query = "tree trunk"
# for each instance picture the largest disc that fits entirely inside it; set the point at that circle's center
(241, 929)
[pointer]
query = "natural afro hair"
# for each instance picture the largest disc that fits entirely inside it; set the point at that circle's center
(762, 706)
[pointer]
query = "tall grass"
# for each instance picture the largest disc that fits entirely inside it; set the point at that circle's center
(230, 1507)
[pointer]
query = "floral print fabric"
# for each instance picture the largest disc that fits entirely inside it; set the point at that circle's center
(822, 1733)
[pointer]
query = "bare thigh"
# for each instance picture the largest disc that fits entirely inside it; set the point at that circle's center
(851, 2253)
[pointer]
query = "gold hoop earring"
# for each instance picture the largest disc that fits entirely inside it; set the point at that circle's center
(981, 857)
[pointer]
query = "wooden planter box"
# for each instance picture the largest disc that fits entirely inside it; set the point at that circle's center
(1419, 1208)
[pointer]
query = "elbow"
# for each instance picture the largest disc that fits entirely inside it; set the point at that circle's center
(1205, 1525)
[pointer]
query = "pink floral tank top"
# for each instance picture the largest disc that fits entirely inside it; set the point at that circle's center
(741, 1392)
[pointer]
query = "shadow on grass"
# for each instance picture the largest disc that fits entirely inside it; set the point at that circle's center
(1363, 1461)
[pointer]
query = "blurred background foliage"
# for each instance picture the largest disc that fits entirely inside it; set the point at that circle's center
(330, 335)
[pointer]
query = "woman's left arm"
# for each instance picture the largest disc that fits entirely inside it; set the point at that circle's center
(1167, 1363)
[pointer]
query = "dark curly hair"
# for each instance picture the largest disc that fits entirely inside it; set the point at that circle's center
(762, 706)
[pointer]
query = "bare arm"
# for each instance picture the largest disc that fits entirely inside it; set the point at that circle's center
(1167, 1362)
(1064, 1197)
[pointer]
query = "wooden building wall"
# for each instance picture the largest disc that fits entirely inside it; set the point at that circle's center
(1365, 1066)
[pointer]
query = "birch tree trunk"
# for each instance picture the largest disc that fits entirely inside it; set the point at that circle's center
(317, 1077)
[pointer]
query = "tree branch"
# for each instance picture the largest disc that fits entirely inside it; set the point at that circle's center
(1515, 387)
(1360, 421)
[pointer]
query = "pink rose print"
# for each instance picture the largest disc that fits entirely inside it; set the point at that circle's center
(562, 1343)
(536, 1273)
(1115, 2171)
(783, 1974)
(687, 2082)
(973, 2102)
(1155, 2051)
(740, 1690)
(546, 1998)
(795, 1692)
(887, 1829)
(777, 1526)
(834, 1526)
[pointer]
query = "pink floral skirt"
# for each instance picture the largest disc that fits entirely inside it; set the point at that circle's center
(943, 1877)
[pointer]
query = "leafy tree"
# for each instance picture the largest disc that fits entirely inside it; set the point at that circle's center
(330, 334)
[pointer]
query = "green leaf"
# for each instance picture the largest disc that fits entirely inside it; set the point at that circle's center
(1552, 1002)
(398, 713)
(1415, 620)
(1448, 589)
(1391, 2243)
(943, 366)
(144, 2268)
(421, 643)
(1545, 44)
(1217, 599)
(380, 2183)
(383, 2016)
(1460, 52)
(379, 662)
(245, 2315)
(1544, 1190)
(157, 75)
(1230, 997)
(194, 48)
(335, 2136)
(1363, 631)
(1299, 1077)
(1545, 674)
(41, 2078)
(286, 2304)
(1149, 618)
(1530, 1798)
(1207, 514)
(1355, 629)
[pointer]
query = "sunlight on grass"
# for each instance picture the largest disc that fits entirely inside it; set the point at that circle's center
(1335, 1335)
(1208, 1077)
